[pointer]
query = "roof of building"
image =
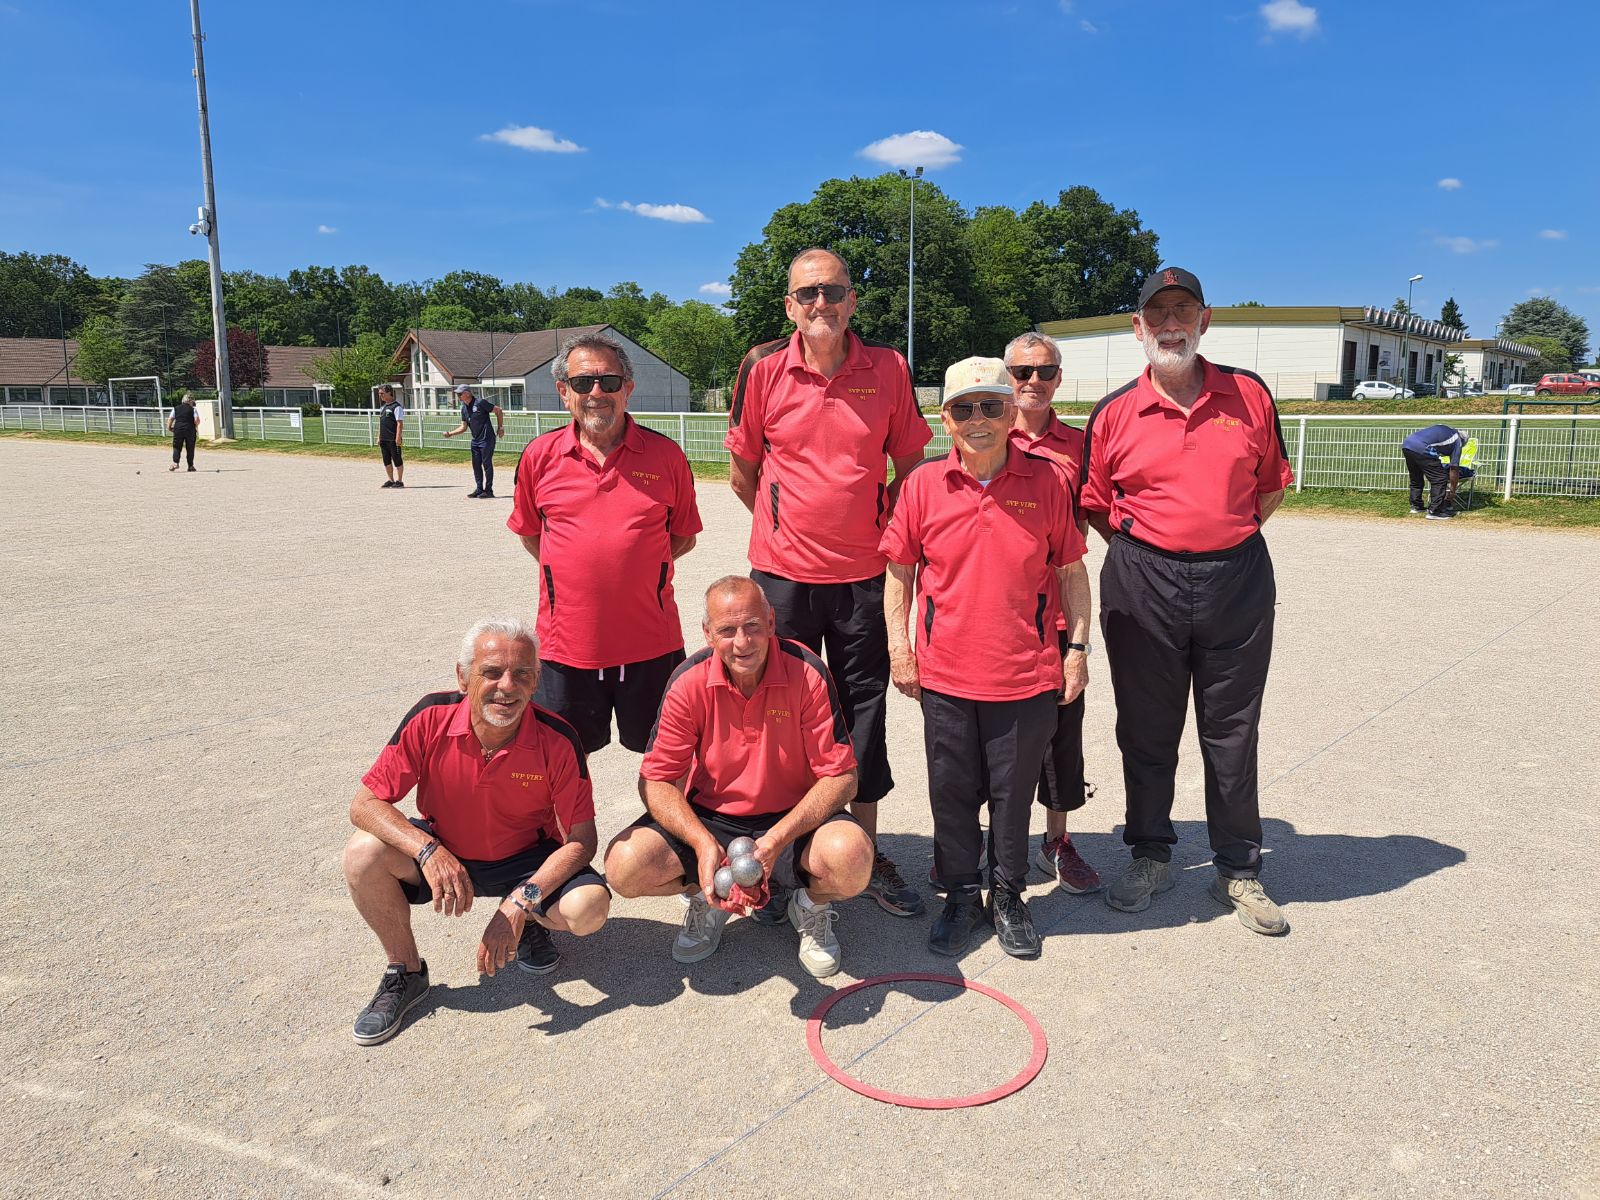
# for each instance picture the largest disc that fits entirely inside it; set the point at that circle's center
(1368, 317)
(37, 362)
(465, 355)
(286, 365)
(1504, 346)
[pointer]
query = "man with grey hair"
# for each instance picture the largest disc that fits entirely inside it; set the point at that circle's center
(505, 809)
(1033, 361)
(606, 507)
(815, 421)
(483, 419)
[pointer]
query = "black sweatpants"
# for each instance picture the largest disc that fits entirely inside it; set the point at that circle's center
(183, 441)
(483, 463)
(844, 623)
(983, 752)
(1420, 466)
(1061, 778)
(1172, 624)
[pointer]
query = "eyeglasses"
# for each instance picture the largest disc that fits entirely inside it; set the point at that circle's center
(584, 384)
(1158, 314)
(832, 293)
(961, 410)
(1023, 374)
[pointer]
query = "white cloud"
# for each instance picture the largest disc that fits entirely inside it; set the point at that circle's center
(919, 148)
(1465, 245)
(679, 214)
(326, 229)
(1450, 184)
(1088, 27)
(1553, 235)
(715, 289)
(531, 137)
(1289, 16)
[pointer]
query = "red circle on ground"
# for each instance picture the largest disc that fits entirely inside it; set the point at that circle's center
(1021, 1080)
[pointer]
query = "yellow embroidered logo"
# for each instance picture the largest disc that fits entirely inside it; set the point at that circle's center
(862, 391)
(1229, 422)
(1021, 504)
(645, 475)
(780, 715)
(525, 775)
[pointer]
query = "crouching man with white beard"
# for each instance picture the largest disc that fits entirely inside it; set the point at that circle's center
(1181, 468)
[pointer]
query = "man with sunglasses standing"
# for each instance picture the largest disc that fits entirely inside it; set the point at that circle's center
(816, 419)
(1182, 467)
(1033, 361)
(477, 413)
(990, 539)
(605, 506)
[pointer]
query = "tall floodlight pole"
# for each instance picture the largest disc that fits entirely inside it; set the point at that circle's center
(911, 281)
(1405, 367)
(207, 224)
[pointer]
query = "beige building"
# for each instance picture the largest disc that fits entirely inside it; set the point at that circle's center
(1302, 353)
(1494, 363)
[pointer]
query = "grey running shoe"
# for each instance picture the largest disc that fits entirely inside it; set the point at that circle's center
(536, 953)
(890, 891)
(819, 948)
(398, 993)
(701, 932)
(1255, 908)
(1144, 878)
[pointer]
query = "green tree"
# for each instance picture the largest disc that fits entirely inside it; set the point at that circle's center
(102, 354)
(354, 371)
(49, 295)
(1093, 258)
(629, 310)
(1543, 317)
(1450, 315)
(698, 340)
(448, 316)
(160, 319)
(1553, 355)
(1401, 306)
(1250, 304)
(1002, 251)
(483, 296)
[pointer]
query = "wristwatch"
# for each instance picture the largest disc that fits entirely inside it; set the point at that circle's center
(1083, 646)
(527, 897)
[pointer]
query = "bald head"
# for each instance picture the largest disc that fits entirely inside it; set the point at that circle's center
(839, 270)
(739, 629)
(734, 589)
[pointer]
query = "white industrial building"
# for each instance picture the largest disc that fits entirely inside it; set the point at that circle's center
(1494, 363)
(1302, 353)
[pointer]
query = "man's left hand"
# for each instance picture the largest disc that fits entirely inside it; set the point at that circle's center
(499, 945)
(1074, 676)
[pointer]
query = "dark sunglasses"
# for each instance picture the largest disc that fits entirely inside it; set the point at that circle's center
(1023, 374)
(831, 292)
(584, 384)
(961, 410)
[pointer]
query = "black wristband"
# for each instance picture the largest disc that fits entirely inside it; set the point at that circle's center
(426, 852)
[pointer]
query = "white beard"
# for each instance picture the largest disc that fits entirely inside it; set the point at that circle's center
(1170, 361)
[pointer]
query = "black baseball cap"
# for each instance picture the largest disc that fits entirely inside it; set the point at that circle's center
(1171, 277)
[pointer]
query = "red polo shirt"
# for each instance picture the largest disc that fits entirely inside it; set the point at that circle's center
(535, 786)
(1061, 443)
(987, 593)
(605, 556)
(760, 755)
(1185, 483)
(823, 447)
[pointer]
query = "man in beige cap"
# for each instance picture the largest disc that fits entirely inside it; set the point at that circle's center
(989, 538)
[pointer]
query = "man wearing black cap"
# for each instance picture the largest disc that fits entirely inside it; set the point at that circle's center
(476, 414)
(1181, 468)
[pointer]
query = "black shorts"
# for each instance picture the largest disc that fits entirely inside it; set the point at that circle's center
(585, 698)
(393, 455)
(497, 878)
(786, 872)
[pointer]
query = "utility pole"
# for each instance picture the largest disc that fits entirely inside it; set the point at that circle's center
(207, 225)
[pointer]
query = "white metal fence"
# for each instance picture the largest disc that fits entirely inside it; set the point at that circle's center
(1517, 455)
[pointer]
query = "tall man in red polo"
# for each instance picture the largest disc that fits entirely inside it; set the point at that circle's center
(605, 506)
(1182, 467)
(506, 809)
(990, 540)
(815, 421)
(1034, 363)
(751, 743)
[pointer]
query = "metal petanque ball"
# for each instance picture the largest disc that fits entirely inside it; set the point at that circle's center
(740, 847)
(723, 881)
(746, 870)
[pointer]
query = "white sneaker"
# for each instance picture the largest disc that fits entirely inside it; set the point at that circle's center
(819, 949)
(701, 932)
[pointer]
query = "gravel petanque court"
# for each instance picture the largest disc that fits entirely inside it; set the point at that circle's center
(198, 671)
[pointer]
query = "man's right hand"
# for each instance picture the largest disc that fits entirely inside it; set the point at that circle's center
(449, 882)
(709, 858)
(903, 670)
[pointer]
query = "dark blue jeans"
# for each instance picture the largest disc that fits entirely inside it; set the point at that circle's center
(483, 462)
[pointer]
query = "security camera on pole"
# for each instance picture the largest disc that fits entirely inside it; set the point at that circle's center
(206, 226)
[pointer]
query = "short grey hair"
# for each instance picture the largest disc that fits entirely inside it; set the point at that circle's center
(1033, 338)
(513, 629)
(598, 342)
(820, 252)
(732, 583)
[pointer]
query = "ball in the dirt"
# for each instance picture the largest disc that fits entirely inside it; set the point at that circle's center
(722, 881)
(746, 870)
(740, 847)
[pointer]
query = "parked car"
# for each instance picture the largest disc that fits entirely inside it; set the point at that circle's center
(1457, 391)
(1566, 385)
(1520, 389)
(1381, 389)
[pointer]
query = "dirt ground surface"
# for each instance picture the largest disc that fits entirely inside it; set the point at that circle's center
(198, 671)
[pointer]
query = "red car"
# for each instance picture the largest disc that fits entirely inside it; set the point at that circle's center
(1566, 385)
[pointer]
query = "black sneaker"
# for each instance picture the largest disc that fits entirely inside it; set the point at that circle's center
(1013, 924)
(474, 495)
(487, 494)
(386, 484)
(952, 928)
(536, 953)
(399, 483)
(1446, 515)
(398, 993)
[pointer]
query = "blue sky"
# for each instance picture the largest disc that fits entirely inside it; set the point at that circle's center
(1288, 152)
